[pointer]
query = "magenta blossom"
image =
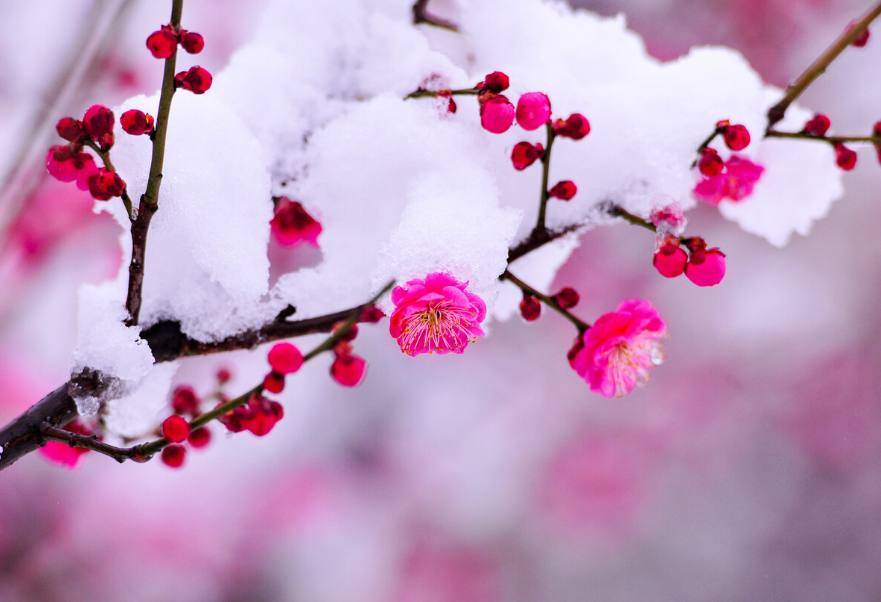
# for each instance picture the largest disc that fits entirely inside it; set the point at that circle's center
(735, 183)
(436, 314)
(620, 348)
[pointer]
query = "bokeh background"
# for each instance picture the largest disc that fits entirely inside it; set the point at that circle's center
(747, 470)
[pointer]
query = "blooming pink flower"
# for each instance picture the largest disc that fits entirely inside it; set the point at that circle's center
(621, 348)
(735, 183)
(436, 314)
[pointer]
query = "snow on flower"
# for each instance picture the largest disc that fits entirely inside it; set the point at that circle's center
(436, 314)
(735, 183)
(620, 348)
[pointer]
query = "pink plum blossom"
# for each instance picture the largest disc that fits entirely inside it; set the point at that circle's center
(620, 348)
(292, 224)
(497, 114)
(735, 183)
(436, 314)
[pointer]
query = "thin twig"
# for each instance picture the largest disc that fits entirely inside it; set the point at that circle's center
(549, 301)
(818, 67)
(828, 139)
(431, 94)
(144, 451)
(421, 15)
(545, 174)
(149, 200)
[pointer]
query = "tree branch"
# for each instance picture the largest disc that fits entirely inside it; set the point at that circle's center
(149, 200)
(818, 67)
(421, 15)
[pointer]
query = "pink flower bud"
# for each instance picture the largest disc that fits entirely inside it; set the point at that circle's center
(533, 110)
(293, 225)
(818, 125)
(670, 261)
(525, 154)
(497, 115)
(567, 297)
(69, 128)
(110, 183)
(98, 121)
(348, 370)
(162, 43)
(845, 157)
(136, 122)
(175, 429)
(564, 190)
(59, 163)
(285, 358)
(185, 401)
(710, 163)
(192, 42)
(736, 137)
(200, 437)
(496, 82)
(196, 80)
(173, 456)
(576, 127)
(530, 308)
(706, 267)
(274, 382)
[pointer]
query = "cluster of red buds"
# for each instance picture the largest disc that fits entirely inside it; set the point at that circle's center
(176, 428)
(259, 416)
(68, 162)
(703, 266)
(530, 306)
(163, 43)
(347, 369)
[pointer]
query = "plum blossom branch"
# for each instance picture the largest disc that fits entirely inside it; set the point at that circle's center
(545, 174)
(617, 211)
(421, 15)
(833, 140)
(145, 451)
(422, 93)
(818, 67)
(149, 200)
(549, 301)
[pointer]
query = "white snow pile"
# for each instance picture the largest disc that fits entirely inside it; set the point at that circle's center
(313, 109)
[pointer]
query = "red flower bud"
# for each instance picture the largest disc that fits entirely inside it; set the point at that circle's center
(185, 401)
(70, 129)
(525, 154)
(530, 308)
(576, 127)
(818, 125)
(670, 261)
(706, 267)
(197, 80)
(736, 136)
(175, 429)
(191, 41)
(348, 370)
(566, 298)
(496, 82)
(285, 358)
(199, 437)
(136, 122)
(844, 157)
(710, 163)
(162, 43)
(173, 456)
(564, 190)
(274, 382)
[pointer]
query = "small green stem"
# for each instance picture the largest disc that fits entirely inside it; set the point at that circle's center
(105, 158)
(145, 451)
(580, 324)
(828, 139)
(545, 175)
(432, 94)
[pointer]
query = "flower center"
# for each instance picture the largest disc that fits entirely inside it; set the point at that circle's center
(439, 326)
(630, 364)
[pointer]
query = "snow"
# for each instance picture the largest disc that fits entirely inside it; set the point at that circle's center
(134, 414)
(313, 109)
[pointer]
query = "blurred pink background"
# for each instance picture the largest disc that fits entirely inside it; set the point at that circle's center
(747, 470)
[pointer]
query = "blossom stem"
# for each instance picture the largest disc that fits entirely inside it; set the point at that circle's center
(833, 140)
(145, 451)
(819, 65)
(616, 211)
(105, 157)
(149, 200)
(421, 15)
(545, 175)
(580, 324)
(432, 94)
